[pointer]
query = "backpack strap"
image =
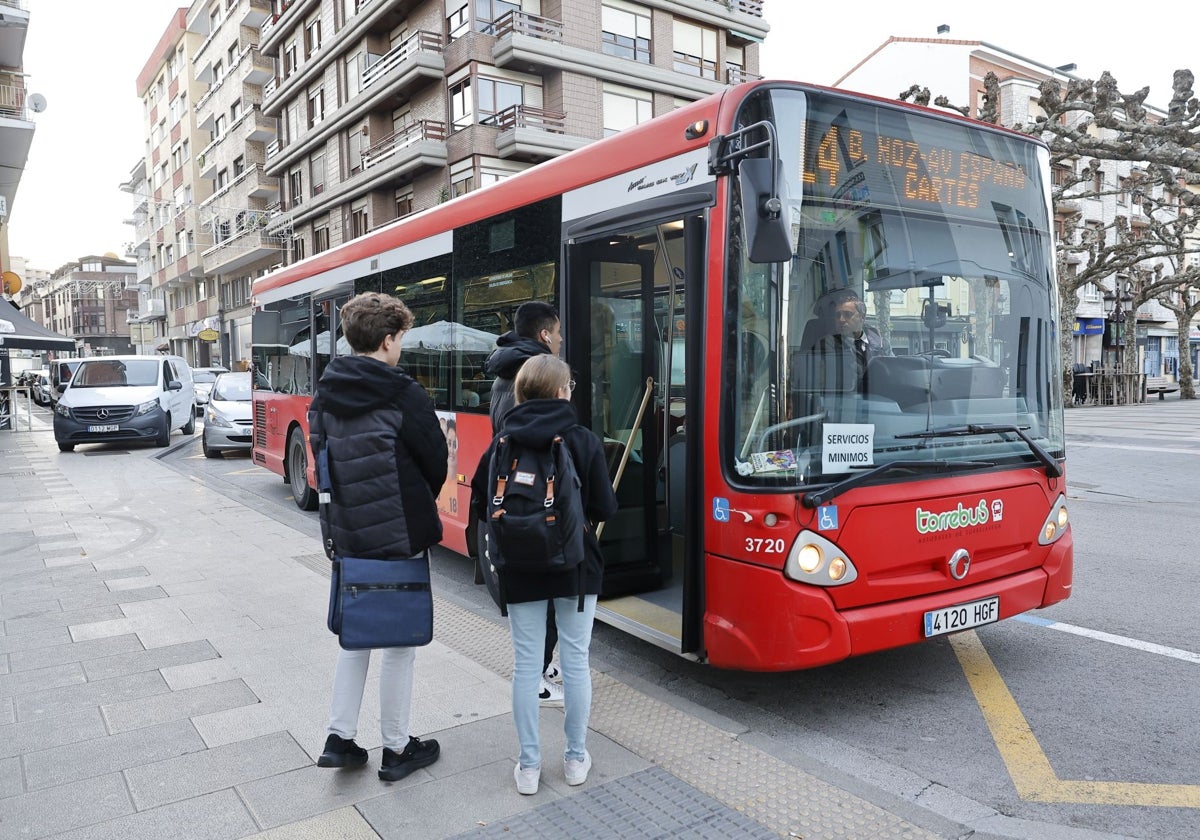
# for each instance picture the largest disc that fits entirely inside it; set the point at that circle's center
(501, 480)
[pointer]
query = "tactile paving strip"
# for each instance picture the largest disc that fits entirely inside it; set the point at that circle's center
(768, 791)
(648, 804)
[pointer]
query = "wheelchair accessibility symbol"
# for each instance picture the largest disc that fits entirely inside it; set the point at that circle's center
(827, 518)
(722, 510)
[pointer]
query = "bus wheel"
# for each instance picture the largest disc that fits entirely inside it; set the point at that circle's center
(305, 496)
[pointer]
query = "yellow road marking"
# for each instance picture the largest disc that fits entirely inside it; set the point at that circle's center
(1027, 764)
(250, 471)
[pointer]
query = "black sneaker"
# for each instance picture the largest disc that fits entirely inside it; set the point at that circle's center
(342, 752)
(417, 754)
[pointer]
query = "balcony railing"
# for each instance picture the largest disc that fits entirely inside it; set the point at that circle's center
(524, 116)
(524, 23)
(13, 4)
(748, 7)
(12, 101)
(405, 137)
(737, 75)
(419, 42)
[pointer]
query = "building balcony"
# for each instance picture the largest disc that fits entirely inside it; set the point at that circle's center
(253, 13)
(151, 309)
(14, 26)
(736, 75)
(16, 137)
(421, 44)
(401, 148)
(250, 183)
(260, 69)
(276, 26)
(244, 247)
(527, 132)
(135, 282)
(531, 43)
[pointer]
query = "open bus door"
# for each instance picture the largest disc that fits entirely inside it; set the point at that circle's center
(626, 324)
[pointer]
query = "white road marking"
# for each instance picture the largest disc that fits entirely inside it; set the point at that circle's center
(1123, 641)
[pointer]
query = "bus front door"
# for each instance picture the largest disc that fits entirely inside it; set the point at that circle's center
(624, 333)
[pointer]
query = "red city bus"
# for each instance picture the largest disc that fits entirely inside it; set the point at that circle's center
(841, 315)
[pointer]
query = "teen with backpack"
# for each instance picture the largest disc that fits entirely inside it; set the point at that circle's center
(543, 419)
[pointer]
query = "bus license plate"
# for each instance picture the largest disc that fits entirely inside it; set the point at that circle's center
(962, 616)
(103, 428)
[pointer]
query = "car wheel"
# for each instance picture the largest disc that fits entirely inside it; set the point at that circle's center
(66, 447)
(164, 432)
(190, 428)
(305, 496)
(208, 453)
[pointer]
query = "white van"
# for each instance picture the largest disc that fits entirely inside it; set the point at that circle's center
(125, 398)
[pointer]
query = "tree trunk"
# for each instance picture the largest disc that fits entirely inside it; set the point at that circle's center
(1066, 343)
(1183, 323)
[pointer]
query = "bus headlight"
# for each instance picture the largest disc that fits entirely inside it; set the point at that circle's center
(818, 561)
(1056, 523)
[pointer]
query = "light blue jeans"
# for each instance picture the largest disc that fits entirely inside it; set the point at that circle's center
(395, 693)
(528, 625)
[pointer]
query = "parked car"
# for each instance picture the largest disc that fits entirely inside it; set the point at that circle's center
(61, 372)
(203, 379)
(228, 417)
(125, 398)
(40, 389)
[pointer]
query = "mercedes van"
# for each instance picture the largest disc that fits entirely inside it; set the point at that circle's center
(113, 398)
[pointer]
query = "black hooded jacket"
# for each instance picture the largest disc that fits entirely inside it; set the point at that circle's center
(511, 352)
(535, 423)
(387, 459)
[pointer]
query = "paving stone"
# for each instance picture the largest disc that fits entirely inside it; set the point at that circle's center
(63, 618)
(45, 812)
(27, 682)
(8, 714)
(342, 824)
(43, 733)
(215, 816)
(137, 712)
(215, 769)
(76, 652)
(10, 780)
(153, 659)
(35, 641)
(104, 596)
(30, 607)
(110, 753)
(97, 693)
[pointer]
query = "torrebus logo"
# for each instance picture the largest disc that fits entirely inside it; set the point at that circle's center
(929, 522)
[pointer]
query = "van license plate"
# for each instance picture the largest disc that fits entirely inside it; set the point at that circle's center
(962, 616)
(103, 428)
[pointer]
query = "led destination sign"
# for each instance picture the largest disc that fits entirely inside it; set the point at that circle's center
(853, 167)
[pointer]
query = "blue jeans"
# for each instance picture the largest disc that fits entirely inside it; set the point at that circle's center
(528, 625)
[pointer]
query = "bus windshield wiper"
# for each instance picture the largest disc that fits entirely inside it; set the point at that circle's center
(816, 498)
(1052, 466)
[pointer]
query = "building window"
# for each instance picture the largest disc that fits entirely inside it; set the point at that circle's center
(316, 106)
(462, 106)
(234, 52)
(494, 97)
(239, 165)
(489, 12)
(312, 37)
(297, 249)
(404, 204)
(289, 60)
(295, 187)
(235, 111)
(320, 239)
(695, 50)
(222, 178)
(218, 72)
(625, 31)
(359, 221)
(356, 144)
(457, 21)
(317, 172)
(218, 127)
(625, 108)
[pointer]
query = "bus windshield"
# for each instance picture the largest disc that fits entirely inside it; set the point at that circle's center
(917, 318)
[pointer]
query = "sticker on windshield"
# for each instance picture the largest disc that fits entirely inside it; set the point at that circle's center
(774, 461)
(845, 446)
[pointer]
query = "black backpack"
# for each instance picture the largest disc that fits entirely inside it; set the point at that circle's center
(535, 519)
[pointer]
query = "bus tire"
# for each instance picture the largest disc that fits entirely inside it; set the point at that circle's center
(305, 496)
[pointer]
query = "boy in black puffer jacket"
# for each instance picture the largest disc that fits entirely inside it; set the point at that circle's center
(388, 463)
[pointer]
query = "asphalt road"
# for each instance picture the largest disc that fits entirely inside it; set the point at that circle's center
(1080, 716)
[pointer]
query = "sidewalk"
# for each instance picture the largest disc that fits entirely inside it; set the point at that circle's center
(165, 672)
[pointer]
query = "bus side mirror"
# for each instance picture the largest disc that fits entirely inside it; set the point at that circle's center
(767, 230)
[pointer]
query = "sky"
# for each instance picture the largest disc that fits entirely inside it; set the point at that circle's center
(84, 57)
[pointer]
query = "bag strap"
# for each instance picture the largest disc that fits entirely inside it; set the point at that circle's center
(324, 497)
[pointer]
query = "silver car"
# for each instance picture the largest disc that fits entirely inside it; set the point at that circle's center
(228, 417)
(203, 378)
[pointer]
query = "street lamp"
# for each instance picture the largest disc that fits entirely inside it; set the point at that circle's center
(1116, 299)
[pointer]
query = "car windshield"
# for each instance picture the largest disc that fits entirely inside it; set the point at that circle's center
(234, 387)
(205, 376)
(109, 373)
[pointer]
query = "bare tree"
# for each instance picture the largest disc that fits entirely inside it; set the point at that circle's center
(1086, 125)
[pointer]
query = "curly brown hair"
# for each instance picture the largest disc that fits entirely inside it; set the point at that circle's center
(369, 318)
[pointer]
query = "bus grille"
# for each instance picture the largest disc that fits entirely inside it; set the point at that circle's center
(260, 425)
(103, 414)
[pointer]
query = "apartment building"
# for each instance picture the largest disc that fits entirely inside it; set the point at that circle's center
(387, 107)
(16, 126)
(88, 299)
(169, 235)
(956, 68)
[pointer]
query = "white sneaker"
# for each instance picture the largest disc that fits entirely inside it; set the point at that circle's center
(577, 771)
(553, 673)
(551, 695)
(527, 780)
